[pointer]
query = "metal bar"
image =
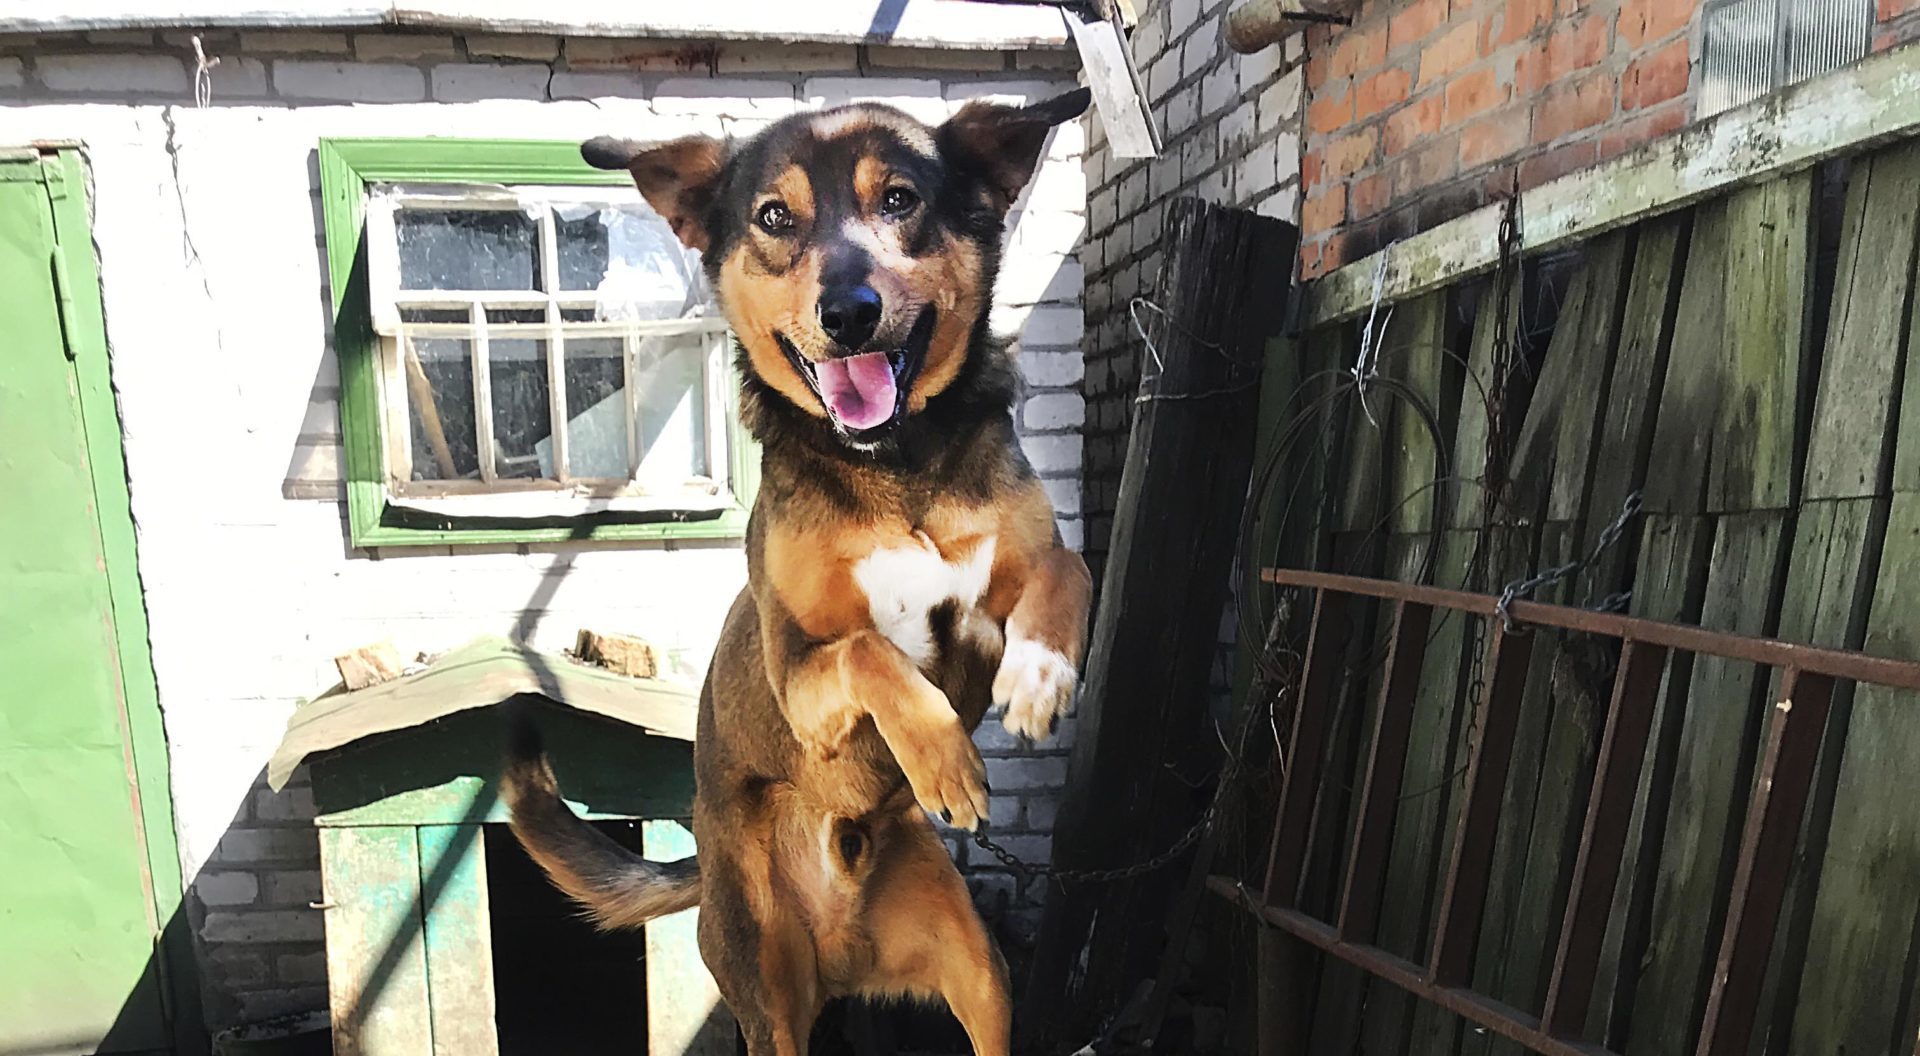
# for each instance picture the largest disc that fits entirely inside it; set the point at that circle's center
(1386, 766)
(1499, 1017)
(1766, 860)
(1623, 748)
(1313, 707)
(1496, 716)
(1768, 652)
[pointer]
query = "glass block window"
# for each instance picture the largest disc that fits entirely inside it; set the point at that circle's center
(544, 350)
(1752, 47)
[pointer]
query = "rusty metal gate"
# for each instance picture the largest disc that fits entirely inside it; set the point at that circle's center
(1784, 776)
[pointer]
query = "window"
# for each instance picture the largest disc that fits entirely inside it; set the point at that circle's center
(1752, 47)
(526, 352)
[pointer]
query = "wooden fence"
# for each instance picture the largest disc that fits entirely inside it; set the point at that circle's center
(1738, 359)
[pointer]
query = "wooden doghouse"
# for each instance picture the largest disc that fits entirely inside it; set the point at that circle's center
(442, 937)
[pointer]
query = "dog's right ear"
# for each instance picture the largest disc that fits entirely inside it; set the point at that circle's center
(677, 178)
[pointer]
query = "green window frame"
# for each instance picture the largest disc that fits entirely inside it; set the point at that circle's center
(347, 168)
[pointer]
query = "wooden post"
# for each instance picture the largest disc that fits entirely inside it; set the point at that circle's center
(1155, 638)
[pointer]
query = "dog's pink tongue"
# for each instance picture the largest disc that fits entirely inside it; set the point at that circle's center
(859, 390)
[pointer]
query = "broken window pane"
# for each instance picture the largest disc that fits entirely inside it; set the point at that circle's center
(596, 408)
(631, 260)
(467, 249)
(439, 373)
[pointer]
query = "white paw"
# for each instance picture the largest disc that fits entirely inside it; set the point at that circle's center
(1035, 684)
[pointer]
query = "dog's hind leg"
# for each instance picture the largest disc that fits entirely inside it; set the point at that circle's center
(760, 955)
(928, 939)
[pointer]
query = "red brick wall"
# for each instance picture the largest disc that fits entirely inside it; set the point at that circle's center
(1425, 109)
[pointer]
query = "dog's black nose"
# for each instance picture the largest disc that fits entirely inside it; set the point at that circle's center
(849, 315)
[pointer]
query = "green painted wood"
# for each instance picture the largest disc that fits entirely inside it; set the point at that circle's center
(1669, 584)
(347, 166)
(1830, 583)
(1578, 418)
(1603, 431)
(92, 882)
(442, 773)
(1690, 396)
(1535, 437)
(1473, 422)
(1628, 414)
(1860, 373)
(1712, 772)
(1419, 335)
(1416, 338)
(1765, 347)
(684, 1013)
(1344, 988)
(1430, 812)
(1363, 496)
(1501, 968)
(1856, 993)
(1906, 458)
(376, 959)
(458, 937)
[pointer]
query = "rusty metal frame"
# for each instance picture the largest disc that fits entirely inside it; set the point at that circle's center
(1784, 780)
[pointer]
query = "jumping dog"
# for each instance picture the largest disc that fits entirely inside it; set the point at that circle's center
(904, 570)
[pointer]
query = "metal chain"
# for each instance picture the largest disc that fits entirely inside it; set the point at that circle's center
(1493, 478)
(1521, 588)
(1229, 777)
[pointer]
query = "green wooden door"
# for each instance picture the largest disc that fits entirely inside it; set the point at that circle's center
(89, 883)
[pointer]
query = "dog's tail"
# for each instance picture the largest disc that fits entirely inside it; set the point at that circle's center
(618, 889)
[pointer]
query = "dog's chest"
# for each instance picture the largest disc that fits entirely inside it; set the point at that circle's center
(908, 585)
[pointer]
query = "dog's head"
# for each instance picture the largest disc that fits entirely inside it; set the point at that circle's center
(853, 249)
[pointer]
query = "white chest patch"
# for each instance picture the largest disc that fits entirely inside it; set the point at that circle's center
(905, 584)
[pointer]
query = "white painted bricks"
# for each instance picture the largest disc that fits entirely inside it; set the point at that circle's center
(252, 852)
(353, 82)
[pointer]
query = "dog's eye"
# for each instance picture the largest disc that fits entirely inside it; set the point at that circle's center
(774, 217)
(898, 201)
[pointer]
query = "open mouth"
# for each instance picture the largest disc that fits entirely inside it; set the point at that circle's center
(866, 394)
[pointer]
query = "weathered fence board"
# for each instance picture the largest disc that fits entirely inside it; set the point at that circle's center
(1860, 373)
(1682, 363)
(1711, 769)
(1856, 994)
(1764, 347)
(1683, 437)
(1155, 637)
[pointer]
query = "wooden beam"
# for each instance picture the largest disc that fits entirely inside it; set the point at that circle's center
(1871, 102)
(1189, 460)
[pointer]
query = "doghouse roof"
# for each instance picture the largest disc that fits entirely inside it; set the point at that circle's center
(480, 674)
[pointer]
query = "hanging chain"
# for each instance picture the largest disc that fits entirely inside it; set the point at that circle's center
(1610, 535)
(1230, 772)
(1493, 473)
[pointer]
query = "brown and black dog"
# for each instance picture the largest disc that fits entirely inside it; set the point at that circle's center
(904, 571)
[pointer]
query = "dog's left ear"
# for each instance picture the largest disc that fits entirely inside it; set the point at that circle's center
(677, 178)
(1000, 144)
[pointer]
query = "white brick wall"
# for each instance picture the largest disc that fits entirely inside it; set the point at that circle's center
(214, 281)
(1232, 125)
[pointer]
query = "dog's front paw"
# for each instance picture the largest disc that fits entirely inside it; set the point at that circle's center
(946, 773)
(1035, 685)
